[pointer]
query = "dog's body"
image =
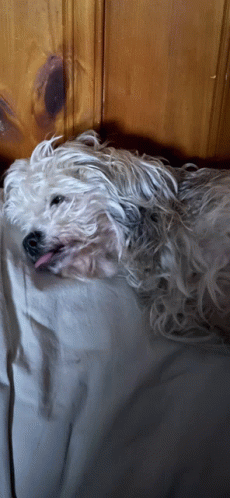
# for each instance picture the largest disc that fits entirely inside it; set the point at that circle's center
(87, 210)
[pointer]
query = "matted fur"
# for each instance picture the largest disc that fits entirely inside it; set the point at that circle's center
(99, 209)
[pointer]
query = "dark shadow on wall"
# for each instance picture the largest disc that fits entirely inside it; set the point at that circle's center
(118, 138)
(4, 165)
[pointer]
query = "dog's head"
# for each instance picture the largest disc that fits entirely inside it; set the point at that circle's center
(82, 205)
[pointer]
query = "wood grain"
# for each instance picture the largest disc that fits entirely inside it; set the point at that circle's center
(160, 69)
(27, 38)
(50, 70)
(219, 136)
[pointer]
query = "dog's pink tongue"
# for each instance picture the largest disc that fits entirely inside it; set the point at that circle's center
(44, 260)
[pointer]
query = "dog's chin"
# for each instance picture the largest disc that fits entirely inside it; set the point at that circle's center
(82, 269)
(83, 266)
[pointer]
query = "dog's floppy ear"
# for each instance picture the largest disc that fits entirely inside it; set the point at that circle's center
(90, 138)
(13, 178)
(14, 175)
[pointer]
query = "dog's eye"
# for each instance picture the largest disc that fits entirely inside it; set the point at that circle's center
(58, 199)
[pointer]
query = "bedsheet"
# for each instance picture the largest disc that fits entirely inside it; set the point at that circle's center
(171, 439)
(89, 408)
(70, 354)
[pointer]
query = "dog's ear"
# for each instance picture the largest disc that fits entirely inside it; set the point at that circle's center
(14, 175)
(89, 138)
(125, 214)
(11, 187)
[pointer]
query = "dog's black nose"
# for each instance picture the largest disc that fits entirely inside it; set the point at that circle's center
(32, 244)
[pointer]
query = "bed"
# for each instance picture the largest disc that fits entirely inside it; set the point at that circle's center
(90, 407)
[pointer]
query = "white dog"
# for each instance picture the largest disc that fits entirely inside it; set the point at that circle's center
(87, 210)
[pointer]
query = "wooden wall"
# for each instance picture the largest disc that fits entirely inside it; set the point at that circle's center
(153, 70)
(163, 72)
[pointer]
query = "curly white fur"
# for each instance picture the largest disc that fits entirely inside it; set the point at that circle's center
(95, 209)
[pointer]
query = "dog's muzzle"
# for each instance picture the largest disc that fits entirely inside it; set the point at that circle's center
(33, 245)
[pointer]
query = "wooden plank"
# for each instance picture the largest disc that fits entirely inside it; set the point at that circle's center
(160, 68)
(219, 136)
(50, 70)
(222, 149)
(86, 53)
(28, 40)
